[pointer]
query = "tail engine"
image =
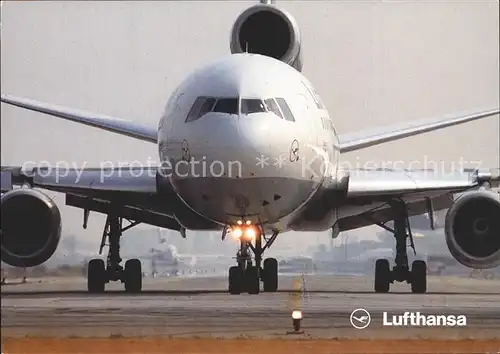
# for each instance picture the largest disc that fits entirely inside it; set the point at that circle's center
(472, 229)
(266, 30)
(30, 228)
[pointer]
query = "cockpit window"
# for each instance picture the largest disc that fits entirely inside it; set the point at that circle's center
(193, 113)
(249, 106)
(204, 105)
(201, 106)
(287, 113)
(226, 105)
(207, 106)
(273, 107)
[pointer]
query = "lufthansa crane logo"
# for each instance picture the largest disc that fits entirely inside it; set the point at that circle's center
(186, 156)
(294, 151)
(360, 318)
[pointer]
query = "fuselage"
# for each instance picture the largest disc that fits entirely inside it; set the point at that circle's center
(247, 137)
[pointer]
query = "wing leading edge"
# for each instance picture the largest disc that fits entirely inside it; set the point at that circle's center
(366, 138)
(348, 142)
(131, 192)
(112, 124)
(370, 192)
(393, 183)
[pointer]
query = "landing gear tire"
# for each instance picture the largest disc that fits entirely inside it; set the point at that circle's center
(247, 275)
(133, 276)
(419, 277)
(270, 276)
(96, 276)
(252, 280)
(235, 280)
(382, 276)
(99, 272)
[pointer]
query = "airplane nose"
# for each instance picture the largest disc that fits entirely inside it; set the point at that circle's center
(254, 146)
(223, 146)
(261, 145)
(240, 160)
(243, 146)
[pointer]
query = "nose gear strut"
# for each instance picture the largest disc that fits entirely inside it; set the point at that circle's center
(247, 275)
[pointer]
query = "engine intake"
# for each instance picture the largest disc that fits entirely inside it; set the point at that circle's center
(266, 30)
(30, 227)
(472, 229)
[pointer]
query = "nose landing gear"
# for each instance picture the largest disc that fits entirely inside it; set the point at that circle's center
(247, 275)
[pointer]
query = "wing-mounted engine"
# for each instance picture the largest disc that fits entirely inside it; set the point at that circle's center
(472, 229)
(264, 29)
(31, 227)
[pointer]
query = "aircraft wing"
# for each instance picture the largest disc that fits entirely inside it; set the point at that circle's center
(371, 137)
(370, 192)
(112, 124)
(130, 192)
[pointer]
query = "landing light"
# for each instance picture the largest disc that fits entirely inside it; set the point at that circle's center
(250, 232)
(237, 232)
(239, 222)
(248, 222)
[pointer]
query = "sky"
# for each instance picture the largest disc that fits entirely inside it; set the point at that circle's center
(373, 63)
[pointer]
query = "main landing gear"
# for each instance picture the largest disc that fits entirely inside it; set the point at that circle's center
(247, 275)
(100, 273)
(384, 275)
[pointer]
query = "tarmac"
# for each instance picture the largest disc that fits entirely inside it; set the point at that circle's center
(200, 307)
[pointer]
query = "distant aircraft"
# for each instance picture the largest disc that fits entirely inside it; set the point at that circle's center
(169, 255)
(169, 260)
(274, 158)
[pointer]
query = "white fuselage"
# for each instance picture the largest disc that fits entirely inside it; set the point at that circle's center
(232, 152)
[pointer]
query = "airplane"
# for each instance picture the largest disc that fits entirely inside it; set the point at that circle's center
(254, 113)
(167, 258)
